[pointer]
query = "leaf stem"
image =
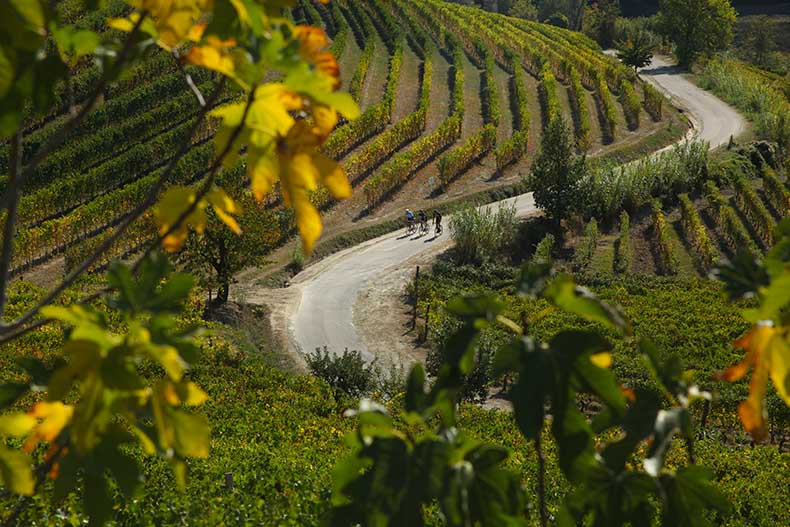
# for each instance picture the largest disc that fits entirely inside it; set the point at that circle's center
(15, 329)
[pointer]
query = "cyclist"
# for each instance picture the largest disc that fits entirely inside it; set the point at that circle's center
(409, 221)
(437, 223)
(423, 221)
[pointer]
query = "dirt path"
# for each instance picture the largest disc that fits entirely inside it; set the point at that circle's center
(351, 298)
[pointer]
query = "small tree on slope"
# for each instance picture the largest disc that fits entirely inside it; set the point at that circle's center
(557, 173)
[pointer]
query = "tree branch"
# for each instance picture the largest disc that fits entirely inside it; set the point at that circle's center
(544, 515)
(14, 329)
(9, 229)
(207, 184)
(62, 134)
(190, 82)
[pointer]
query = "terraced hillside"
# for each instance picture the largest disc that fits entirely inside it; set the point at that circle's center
(454, 102)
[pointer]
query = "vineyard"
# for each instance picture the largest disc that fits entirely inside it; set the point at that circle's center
(454, 102)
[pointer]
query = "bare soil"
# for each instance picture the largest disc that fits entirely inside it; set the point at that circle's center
(376, 79)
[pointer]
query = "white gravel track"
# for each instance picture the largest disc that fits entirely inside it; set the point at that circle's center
(325, 294)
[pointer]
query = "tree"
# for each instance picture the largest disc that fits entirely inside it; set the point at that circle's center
(637, 51)
(697, 26)
(524, 9)
(600, 21)
(106, 400)
(559, 20)
(557, 173)
(217, 255)
(760, 40)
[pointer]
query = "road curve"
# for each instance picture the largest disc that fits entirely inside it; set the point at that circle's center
(713, 119)
(329, 289)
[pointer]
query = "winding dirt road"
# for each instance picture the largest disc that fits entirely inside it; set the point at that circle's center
(322, 299)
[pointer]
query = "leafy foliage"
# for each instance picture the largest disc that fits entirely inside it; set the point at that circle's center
(117, 404)
(557, 173)
(697, 26)
(766, 344)
(623, 255)
(480, 233)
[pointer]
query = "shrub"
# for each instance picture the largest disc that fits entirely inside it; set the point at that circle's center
(480, 233)
(702, 247)
(460, 158)
(581, 117)
(361, 71)
(347, 372)
(622, 259)
(668, 260)
(778, 195)
(653, 101)
(734, 233)
(544, 250)
(754, 209)
(584, 253)
(752, 94)
(630, 103)
(606, 108)
(489, 95)
(548, 94)
(613, 188)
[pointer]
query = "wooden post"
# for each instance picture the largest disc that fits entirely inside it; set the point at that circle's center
(229, 481)
(416, 298)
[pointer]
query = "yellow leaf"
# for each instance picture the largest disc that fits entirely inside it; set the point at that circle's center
(757, 344)
(170, 360)
(53, 416)
(263, 170)
(191, 394)
(173, 19)
(225, 207)
(602, 360)
(780, 366)
(333, 177)
(215, 54)
(15, 472)
(171, 207)
(16, 425)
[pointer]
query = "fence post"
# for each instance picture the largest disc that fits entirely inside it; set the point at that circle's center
(416, 298)
(229, 480)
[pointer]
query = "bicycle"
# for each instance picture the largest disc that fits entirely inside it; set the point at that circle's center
(423, 227)
(411, 227)
(437, 231)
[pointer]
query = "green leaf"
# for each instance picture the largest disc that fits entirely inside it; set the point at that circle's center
(11, 392)
(345, 472)
(15, 471)
(689, 494)
(96, 499)
(565, 294)
(534, 383)
(191, 434)
(415, 389)
(169, 358)
(124, 470)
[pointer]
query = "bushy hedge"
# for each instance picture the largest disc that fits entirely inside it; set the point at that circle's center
(630, 103)
(606, 110)
(777, 194)
(703, 249)
(754, 209)
(623, 250)
(544, 251)
(584, 253)
(733, 231)
(665, 249)
(608, 190)
(548, 94)
(653, 101)
(581, 116)
(460, 158)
